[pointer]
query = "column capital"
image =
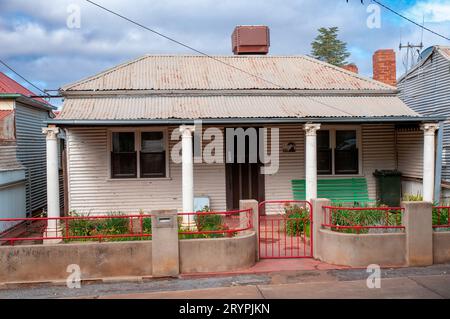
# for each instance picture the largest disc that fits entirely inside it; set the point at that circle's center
(311, 128)
(187, 130)
(50, 132)
(429, 128)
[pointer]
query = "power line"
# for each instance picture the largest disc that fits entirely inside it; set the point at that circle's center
(23, 78)
(410, 20)
(203, 53)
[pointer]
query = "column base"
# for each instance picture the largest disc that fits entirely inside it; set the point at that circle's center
(51, 233)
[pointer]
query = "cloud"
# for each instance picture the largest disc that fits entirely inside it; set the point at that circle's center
(37, 42)
(433, 11)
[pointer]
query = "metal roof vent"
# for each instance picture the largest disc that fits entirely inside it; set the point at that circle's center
(252, 39)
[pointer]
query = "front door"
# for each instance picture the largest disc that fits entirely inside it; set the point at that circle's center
(244, 180)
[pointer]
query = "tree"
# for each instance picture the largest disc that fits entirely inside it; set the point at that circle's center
(328, 48)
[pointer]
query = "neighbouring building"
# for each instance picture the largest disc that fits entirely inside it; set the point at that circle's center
(333, 124)
(426, 89)
(22, 151)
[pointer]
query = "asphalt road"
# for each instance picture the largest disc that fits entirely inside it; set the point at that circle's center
(423, 282)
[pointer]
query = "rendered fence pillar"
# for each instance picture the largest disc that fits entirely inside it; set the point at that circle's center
(429, 130)
(187, 175)
(311, 160)
(53, 210)
(317, 205)
(419, 233)
(253, 204)
(165, 251)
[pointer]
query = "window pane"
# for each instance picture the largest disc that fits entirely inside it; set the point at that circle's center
(323, 140)
(123, 142)
(346, 153)
(345, 140)
(324, 161)
(123, 165)
(153, 155)
(152, 142)
(153, 165)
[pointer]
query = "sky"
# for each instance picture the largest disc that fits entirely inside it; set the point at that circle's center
(46, 42)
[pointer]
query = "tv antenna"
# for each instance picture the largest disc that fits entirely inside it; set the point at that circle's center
(412, 55)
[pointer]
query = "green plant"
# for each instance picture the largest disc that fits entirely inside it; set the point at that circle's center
(297, 220)
(367, 217)
(440, 216)
(413, 198)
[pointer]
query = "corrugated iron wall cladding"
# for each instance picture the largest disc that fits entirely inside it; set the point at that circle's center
(203, 107)
(199, 72)
(291, 165)
(427, 91)
(8, 158)
(410, 152)
(91, 190)
(31, 152)
(378, 143)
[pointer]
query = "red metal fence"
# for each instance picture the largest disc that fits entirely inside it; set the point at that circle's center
(215, 224)
(78, 228)
(285, 229)
(363, 219)
(441, 217)
(122, 227)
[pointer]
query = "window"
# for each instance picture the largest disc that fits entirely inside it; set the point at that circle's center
(138, 154)
(337, 152)
(123, 155)
(324, 159)
(153, 155)
(346, 153)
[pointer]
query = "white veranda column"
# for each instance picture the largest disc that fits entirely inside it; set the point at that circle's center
(429, 130)
(187, 174)
(311, 160)
(53, 209)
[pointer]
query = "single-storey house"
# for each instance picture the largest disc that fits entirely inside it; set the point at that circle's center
(332, 124)
(425, 88)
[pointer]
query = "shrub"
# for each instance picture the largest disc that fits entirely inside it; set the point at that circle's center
(297, 220)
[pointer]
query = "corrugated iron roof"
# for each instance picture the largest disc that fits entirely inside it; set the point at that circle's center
(175, 72)
(231, 106)
(9, 86)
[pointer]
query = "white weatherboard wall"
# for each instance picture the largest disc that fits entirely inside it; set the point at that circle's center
(378, 152)
(91, 189)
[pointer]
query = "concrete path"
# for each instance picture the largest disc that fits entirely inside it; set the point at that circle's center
(418, 282)
(426, 287)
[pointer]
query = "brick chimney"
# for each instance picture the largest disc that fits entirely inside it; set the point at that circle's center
(384, 67)
(252, 39)
(352, 67)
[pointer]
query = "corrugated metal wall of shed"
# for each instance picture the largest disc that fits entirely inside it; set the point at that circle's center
(31, 152)
(378, 143)
(410, 152)
(91, 190)
(427, 91)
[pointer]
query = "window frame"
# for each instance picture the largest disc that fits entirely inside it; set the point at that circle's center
(332, 129)
(137, 146)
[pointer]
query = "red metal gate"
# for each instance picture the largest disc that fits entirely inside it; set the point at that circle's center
(285, 229)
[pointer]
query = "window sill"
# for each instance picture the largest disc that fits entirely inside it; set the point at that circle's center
(340, 175)
(140, 179)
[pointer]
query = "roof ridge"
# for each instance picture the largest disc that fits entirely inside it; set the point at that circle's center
(107, 71)
(353, 74)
